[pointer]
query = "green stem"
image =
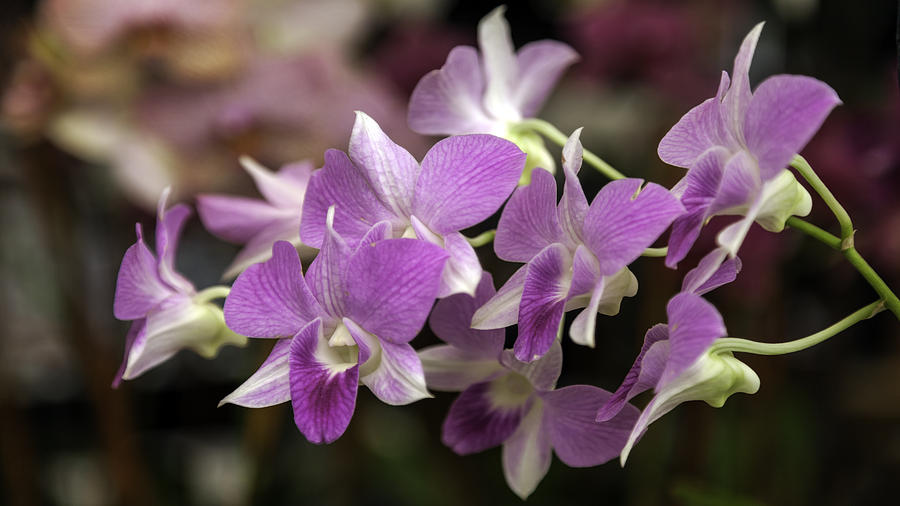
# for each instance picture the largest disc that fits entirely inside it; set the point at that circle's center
(656, 252)
(802, 166)
(213, 292)
(482, 238)
(551, 132)
(747, 346)
(809, 229)
(890, 299)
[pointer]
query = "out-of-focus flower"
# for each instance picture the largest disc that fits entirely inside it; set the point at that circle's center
(676, 363)
(168, 313)
(258, 223)
(461, 181)
(493, 91)
(505, 401)
(576, 255)
(348, 321)
(736, 146)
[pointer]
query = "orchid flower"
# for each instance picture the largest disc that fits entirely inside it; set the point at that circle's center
(493, 91)
(256, 223)
(737, 146)
(461, 182)
(576, 254)
(348, 321)
(675, 361)
(505, 401)
(168, 313)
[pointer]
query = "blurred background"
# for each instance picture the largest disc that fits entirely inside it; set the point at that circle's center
(103, 103)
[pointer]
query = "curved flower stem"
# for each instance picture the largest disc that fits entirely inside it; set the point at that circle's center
(746, 346)
(482, 238)
(802, 166)
(551, 132)
(213, 292)
(832, 241)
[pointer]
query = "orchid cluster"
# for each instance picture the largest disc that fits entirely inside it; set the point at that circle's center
(392, 256)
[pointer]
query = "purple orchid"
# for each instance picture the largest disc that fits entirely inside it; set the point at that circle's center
(491, 92)
(256, 223)
(576, 254)
(737, 145)
(675, 361)
(505, 401)
(168, 313)
(461, 182)
(348, 321)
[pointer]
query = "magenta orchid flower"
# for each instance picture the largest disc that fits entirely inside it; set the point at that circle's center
(168, 313)
(737, 146)
(505, 401)
(258, 223)
(348, 321)
(493, 91)
(576, 255)
(461, 182)
(676, 362)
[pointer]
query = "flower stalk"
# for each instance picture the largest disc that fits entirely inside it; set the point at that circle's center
(551, 132)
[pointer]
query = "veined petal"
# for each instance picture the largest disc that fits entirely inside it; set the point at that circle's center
(713, 271)
(529, 222)
(737, 100)
(138, 286)
(451, 369)
(339, 183)
(463, 271)
(616, 287)
(169, 224)
(259, 247)
(740, 183)
(540, 65)
(326, 274)
(542, 373)
(573, 206)
(390, 170)
(482, 417)
(693, 325)
(286, 188)
(585, 272)
(784, 114)
(502, 310)
(698, 130)
(543, 301)
(323, 386)
(685, 230)
(393, 372)
(451, 321)
(644, 373)
(271, 299)
(577, 439)
(391, 286)
(582, 329)
(527, 453)
(449, 100)
(137, 331)
(464, 180)
(238, 219)
(624, 220)
(269, 385)
(500, 66)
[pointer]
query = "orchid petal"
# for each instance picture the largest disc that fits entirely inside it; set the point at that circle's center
(644, 373)
(390, 170)
(169, 224)
(271, 299)
(393, 372)
(137, 331)
(693, 325)
(477, 421)
(529, 222)
(138, 286)
(463, 271)
(573, 207)
(543, 301)
(740, 183)
(284, 189)
(502, 310)
(259, 248)
(540, 65)
(711, 272)
(527, 453)
(582, 329)
(737, 100)
(500, 66)
(326, 273)
(697, 131)
(239, 219)
(451, 369)
(451, 322)
(269, 385)
(543, 372)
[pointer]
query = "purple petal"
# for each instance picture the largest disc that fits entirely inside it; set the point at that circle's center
(271, 299)
(712, 272)
(476, 421)
(643, 375)
(390, 170)
(269, 385)
(451, 369)
(238, 219)
(138, 286)
(541, 373)
(543, 301)
(393, 372)
(448, 101)
(740, 183)
(326, 274)
(697, 131)
(737, 100)
(573, 206)
(286, 188)
(685, 230)
(340, 184)
(527, 453)
(168, 229)
(464, 180)
(323, 386)
(541, 63)
(582, 329)
(391, 286)
(529, 222)
(784, 114)
(259, 248)
(585, 272)
(577, 438)
(622, 223)
(137, 331)
(451, 321)
(693, 325)
(502, 310)
(463, 271)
